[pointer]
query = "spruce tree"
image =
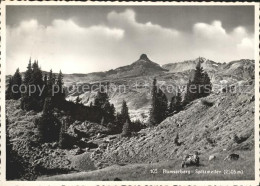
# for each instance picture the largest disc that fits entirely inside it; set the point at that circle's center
(45, 80)
(159, 108)
(199, 86)
(60, 95)
(33, 98)
(102, 103)
(36, 98)
(25, 101)
(176, 103)
(154, 109)
(16, 83)
(101, 98)
(188, 96)
(48, 125)
(111, 113)
(126, 131)
(197, 80)
(45, 84)
(63, 136)
(124, 115)
(28, 73)
(9, 92)
(108, 112)
(163, 106)
(50, 83)
(206, 89)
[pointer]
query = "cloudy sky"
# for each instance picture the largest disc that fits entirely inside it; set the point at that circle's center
(98, 38)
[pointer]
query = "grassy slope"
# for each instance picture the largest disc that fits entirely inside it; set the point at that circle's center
(207, 130)
(143, 171)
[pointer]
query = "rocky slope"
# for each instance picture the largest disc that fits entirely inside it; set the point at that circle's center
(47, 158)
(219, 124)
(208, 65)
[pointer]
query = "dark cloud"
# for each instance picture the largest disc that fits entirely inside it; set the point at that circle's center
(117, 36)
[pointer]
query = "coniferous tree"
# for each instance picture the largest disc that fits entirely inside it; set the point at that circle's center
(16, 83)
(124, 115)
(50, 83)
(188, 96)
(199, 86)
(163, 106)
(176, 103)
(197, 80)
(45, 85)
(45, 80)
(101, 98)
(154, 110)
(9, 92)
(33, 98)
(206, 89)
(25, 101)
(13, 90)
(63, 136)
(126, 131)
(102, 103)
(159, 108)
(28, 73)
(108, 112)
(60, 95)
(111, 113)
(48, 125)
(36, 97)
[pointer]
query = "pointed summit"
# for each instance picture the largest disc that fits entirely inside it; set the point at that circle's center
(143, 66)
(144, 57)
(144, 60)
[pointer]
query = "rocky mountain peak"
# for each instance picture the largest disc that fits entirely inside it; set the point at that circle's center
(144, 57)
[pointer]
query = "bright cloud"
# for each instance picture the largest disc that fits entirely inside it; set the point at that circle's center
(119, 41)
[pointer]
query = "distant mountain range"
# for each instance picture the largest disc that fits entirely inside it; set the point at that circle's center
(143, 67)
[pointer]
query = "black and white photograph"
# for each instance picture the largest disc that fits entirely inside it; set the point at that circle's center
(130, 92)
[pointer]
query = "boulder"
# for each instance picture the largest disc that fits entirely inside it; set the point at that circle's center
(232, 157)
(212, 157)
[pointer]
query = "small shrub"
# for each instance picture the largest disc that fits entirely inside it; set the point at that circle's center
(240, 139)
(176, 140)
(137, 125)
(126, 131)
(207, 103)
(211, 141)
